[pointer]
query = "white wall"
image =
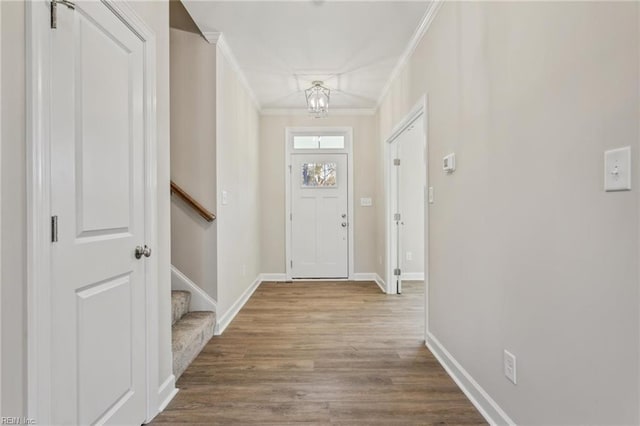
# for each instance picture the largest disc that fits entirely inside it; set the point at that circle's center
(237, 168)
(272, 185)
(13, 202)
(13, 214)
(527, 252)
(193, 155)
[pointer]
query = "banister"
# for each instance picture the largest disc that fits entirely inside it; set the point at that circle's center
(206, 214)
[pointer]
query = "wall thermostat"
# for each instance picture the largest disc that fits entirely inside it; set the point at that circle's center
(449, 163)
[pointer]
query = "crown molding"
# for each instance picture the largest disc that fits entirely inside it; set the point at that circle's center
(427, 19)
(332, 111)
(211, 36)
(217, 38)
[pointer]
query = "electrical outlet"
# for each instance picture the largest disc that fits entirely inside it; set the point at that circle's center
(409, 255)
(510, 366)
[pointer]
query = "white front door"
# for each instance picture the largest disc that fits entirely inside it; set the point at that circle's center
(319, 216)
(97, 174)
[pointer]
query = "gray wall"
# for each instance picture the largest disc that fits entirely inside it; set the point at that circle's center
(193, 156)
(14, 211)
(237, 172)
(527, 252)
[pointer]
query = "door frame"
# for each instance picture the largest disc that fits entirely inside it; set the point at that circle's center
(1, 198)
(38, 73)
(419, 111)
(290, 132)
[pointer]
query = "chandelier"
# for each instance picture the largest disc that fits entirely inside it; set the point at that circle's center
(317, 99)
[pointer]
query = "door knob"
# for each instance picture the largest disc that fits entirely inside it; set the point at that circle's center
(143, 251)
(344, 224)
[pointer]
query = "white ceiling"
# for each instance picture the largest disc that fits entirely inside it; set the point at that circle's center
(282, 46)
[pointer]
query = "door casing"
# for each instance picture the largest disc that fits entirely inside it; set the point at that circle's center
(290, 132)
(38, 33)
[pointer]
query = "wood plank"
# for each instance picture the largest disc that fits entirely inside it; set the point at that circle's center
(321, 353)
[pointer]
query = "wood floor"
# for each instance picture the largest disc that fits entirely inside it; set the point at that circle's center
(321, 353)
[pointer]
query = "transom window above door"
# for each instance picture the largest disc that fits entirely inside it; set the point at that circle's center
(318, 142)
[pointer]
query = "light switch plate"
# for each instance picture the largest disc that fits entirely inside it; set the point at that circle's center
(617, 169)
(509, 361)
(366, 202)
(449, 163)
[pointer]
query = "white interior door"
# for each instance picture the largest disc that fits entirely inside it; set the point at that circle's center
(411, 192)
(396, 208)
(408, 179)
(97, 166)
(319, 216)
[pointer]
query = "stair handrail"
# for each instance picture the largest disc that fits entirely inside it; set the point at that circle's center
(199, 208)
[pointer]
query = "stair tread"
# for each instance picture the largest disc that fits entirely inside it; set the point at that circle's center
(180, 301)
(189, 325)
(189, 335)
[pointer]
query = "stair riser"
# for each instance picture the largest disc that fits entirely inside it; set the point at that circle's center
(180, 301)
(190, 335)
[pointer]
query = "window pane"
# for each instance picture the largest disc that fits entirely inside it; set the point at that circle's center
(319, 175)
(331, 142)
(305, 142)
(318, 142)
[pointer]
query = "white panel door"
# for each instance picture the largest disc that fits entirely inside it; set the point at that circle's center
(97, 167)
(396, 209)
(319, 222)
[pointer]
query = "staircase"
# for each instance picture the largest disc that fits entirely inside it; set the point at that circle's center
(190, 330)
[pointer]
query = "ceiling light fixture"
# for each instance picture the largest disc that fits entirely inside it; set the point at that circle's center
(317, 99)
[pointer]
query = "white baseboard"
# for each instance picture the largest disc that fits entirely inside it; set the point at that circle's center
(200, 300)
(413, 276)
(231, 313)
(166, 392)
(370, 276)
(381, 284)
(489, 409)
(364, 276)
(273, 277)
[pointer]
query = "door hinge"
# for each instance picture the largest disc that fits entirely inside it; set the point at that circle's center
(396, 161)
(397, 216)
(290, 168)
(397, 272)
(54, 10)
(54, 229)
(291, 262)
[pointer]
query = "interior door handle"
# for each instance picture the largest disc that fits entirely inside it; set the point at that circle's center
(143, 251)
